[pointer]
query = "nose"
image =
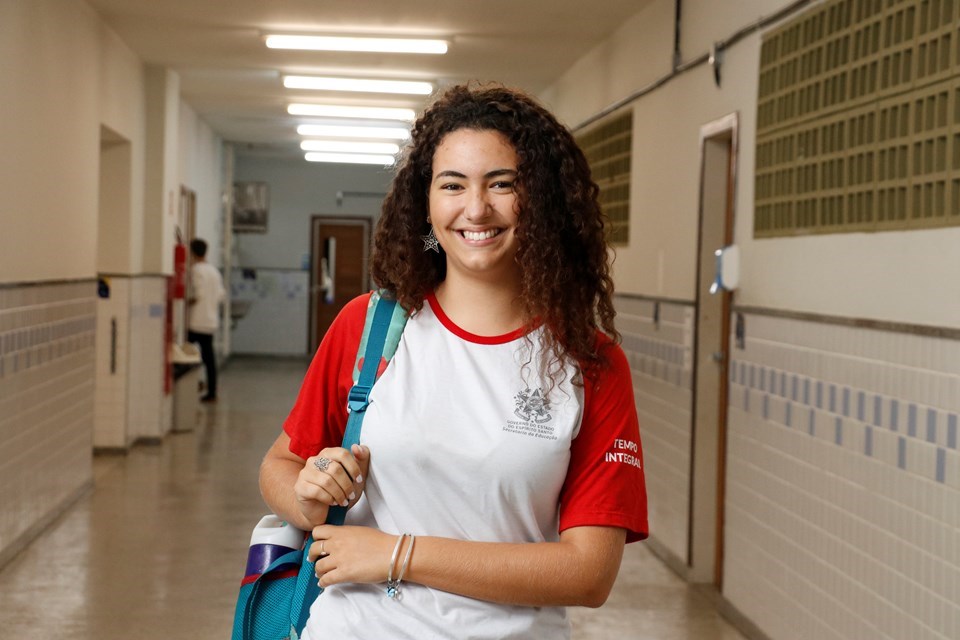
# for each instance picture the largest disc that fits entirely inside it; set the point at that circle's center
(477, 205)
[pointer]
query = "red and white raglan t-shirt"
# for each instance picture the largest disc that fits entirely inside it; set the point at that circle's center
(469, 441)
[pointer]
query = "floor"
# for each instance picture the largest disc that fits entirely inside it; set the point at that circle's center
(157, 549)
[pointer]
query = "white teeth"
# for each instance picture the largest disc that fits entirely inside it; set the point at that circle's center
(480, 235)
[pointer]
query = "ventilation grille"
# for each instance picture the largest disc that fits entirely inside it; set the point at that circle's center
(858, 119)
(608, 148)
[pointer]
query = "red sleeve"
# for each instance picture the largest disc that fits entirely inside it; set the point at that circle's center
(319, 416)
(605, 483)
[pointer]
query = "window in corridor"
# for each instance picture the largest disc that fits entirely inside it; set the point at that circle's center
(608, 147)
(858, 119)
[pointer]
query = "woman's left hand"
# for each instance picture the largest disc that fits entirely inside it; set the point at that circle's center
(351, 554)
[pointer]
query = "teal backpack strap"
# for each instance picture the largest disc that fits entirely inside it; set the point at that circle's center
(381, 335)
(395, 323)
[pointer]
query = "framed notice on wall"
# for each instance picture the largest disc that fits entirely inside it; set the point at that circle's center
(251, 205)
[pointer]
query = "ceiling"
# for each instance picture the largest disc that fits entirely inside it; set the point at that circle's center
(234, 82)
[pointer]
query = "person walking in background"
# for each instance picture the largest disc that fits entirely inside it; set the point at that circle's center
(502, 437)
(207, 293)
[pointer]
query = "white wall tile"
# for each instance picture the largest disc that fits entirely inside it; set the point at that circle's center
(48, 400)
(884, 538)
(661, 376)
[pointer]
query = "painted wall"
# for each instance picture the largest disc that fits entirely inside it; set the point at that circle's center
(635, 56)
(200, 167)
(853, 275)
(122, 111)
(69, 84)
(298, 190)
(50, 130)
(842, 440)
(277, 287)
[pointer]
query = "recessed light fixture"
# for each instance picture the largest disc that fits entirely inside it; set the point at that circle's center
(343, 43)
(320, 83)
(334, 131)
(344, 146)
(350, 158)
(342, 111)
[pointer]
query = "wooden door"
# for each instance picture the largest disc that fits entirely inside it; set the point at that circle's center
(711, 354)
(339, 269)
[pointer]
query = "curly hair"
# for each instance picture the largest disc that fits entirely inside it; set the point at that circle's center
(562, 249)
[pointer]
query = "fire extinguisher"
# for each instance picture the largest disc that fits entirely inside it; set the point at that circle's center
(179, 269)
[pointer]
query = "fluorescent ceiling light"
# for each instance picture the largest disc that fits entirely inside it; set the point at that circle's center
(339, 111)
(320, 83)
(324, 130)
(350, 158)
(340, 43)
(343, 146)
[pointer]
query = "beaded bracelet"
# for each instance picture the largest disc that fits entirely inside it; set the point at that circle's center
(393, 586)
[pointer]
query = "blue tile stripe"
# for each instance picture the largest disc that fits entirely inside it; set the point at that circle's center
(29, 347)
(791, 392)
(659, 359)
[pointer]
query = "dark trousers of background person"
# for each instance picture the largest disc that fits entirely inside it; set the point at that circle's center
(205, 342)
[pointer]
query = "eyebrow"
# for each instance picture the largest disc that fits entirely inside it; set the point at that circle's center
(450, 173)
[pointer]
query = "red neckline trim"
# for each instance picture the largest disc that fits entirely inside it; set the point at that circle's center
(466, 335)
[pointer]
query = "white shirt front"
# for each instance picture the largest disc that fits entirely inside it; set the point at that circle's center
(207, 289)
(469, 441)
(457, 450)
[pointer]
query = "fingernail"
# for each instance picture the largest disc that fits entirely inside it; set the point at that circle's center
(345, 503)
(352, 495)
(359, 478)
(319, 585)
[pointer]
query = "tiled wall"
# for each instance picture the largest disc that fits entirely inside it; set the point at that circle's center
(279, 311)
(130, 400)
(46, 403)
(111, 407)
(151, 410)
(843, 490)
(660, 355)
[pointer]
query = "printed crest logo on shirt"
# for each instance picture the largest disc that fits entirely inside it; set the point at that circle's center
(532, 406)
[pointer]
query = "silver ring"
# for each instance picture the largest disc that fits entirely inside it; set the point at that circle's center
(322, 463)
(322, 552)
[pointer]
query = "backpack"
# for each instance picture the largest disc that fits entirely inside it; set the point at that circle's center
(274, 602)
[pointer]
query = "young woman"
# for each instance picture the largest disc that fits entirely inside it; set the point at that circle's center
(502, 436)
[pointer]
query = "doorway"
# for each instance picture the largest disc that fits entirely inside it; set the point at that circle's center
(116, 258)
(718, 153)
(185, 233)
(339, 268)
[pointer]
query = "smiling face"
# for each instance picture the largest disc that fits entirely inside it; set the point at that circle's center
(473, 205)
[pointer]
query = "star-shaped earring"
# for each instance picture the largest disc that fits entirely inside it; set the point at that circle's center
(430, 241)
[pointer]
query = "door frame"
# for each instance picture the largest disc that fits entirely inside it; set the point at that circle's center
(708, 466)
(317, 219)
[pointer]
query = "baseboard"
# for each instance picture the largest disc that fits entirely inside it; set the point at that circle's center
(110, 451)
(735, 617)
(669, 558)
(23, 540)
(729, 612)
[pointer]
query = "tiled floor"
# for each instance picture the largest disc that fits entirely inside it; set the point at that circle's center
(157, 549)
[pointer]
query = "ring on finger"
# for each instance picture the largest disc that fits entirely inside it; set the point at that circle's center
(322, 463)
(322, 552)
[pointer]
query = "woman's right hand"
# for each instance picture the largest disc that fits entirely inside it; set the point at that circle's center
(333, 477)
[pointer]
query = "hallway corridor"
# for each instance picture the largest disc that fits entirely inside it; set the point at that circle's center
(157, 549)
